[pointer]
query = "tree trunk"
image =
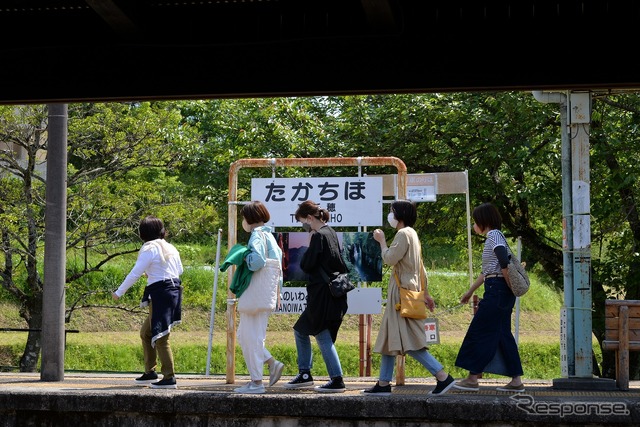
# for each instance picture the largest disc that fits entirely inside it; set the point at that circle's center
(31, 355)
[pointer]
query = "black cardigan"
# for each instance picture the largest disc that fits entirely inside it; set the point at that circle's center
(323, 311)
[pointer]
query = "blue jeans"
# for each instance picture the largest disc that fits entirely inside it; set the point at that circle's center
(327, 348)
(388, 363)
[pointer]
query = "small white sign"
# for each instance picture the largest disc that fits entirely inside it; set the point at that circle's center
(365, 301)
(351, 202)
(360, 300)
(421, 187)
(432, 330)
(564, 357)
(292, 301)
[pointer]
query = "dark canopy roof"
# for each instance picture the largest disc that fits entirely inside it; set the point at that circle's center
(100, 50)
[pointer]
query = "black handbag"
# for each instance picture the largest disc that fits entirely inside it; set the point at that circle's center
(340, 285)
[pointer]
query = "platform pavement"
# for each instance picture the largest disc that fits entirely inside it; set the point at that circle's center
(95, 399)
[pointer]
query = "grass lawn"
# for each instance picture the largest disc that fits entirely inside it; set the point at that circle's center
(110, 343)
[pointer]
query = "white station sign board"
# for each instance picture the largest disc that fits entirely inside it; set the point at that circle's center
(351, 202)
(360, 301)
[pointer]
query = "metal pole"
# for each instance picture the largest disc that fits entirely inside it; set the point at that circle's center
(575, 318)
(567, 362)
(469, 249)
(517, 319)
(567, 357)
(213, 302)
(234, 169)
(579, 113)
(53, 298)
(231, 301)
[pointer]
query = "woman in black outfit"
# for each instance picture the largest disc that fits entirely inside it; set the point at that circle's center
(324, 313)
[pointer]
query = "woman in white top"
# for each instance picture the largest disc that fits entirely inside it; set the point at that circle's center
(160, 262)
(262, 254)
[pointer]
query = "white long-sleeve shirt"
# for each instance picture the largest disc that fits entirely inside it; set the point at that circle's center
(159, 259)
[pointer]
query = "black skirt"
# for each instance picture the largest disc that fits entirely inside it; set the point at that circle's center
(489, 345)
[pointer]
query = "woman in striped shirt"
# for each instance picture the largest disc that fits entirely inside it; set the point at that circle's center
(489, 344)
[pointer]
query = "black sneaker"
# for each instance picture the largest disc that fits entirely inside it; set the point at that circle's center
(335, 385)
(165, 383)
(302, 380)
(147, 378)
(443, 386)
(378, 390)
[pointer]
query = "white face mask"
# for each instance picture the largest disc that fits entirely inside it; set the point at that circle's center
(246, 227)
(393, 222)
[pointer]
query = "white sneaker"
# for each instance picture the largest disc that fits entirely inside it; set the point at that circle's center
(250, 388)
(276, 372)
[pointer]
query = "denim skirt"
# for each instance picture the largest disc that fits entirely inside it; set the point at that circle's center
(489, 345)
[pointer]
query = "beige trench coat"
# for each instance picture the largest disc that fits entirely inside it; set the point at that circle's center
(397, 334)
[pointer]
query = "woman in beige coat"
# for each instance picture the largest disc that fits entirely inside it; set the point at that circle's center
(399, 335)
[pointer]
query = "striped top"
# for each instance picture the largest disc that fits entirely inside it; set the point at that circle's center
(490, 263)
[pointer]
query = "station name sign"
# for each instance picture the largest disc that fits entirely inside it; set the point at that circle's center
(355, 201)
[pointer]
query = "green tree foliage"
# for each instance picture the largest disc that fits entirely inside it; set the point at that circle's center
(254, 128)
(122, 159)
(615, 223)
(614, 161)
(509, 143)
(127, 157)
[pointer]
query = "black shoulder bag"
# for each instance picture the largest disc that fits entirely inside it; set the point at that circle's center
(340, 284)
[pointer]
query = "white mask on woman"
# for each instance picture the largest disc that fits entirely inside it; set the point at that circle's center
(393, 222)
(245, 226)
